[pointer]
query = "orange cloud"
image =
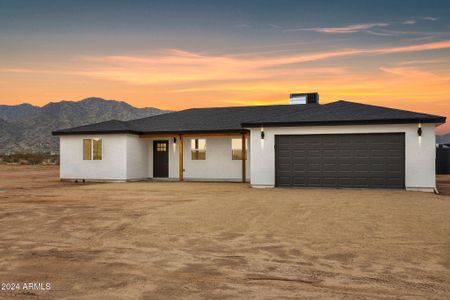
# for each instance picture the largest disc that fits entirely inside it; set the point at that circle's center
(413, 48)
(174, 66)
(176, 79)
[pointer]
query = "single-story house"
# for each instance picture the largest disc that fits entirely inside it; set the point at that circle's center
(302, 144)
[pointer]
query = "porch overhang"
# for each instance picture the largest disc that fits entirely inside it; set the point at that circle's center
(187, 133)
(213, 133)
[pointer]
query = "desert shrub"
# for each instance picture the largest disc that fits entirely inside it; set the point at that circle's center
(30, 158)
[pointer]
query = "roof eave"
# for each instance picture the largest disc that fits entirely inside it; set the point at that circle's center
(196, 131)
(438, 120)
(59, 133)
(172, 132)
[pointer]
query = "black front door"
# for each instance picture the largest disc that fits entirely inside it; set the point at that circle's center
(160, 159)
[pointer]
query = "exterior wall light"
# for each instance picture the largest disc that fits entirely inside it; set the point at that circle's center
(262, 133)
(174, 145)
(419, 130)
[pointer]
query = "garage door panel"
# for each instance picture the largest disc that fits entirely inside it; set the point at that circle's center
(299, 168)
(298, 161)
(341, 160)
(299, 148)
(314, 160)
(360, 166)
(377, 181)
(394, 152)
(345, 174)
(330, 182)
(378, 153)
(331, 168)
(345, 182)
(284, 152)
(284, 180)
(392, 165)
(285, 164)
(344, 153)
(299, 180)
(360, 181)
(361, 153)
(298, 152)
(314, 167)
(329, 152)
(393, 182)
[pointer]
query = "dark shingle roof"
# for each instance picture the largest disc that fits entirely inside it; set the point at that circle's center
(112, 126)
(236, 119)
(345, 112)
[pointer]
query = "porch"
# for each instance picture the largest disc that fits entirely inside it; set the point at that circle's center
(197, 156)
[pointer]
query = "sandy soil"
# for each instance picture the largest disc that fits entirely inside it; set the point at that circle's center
(219, 240)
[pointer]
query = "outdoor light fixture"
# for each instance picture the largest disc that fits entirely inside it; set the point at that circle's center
(262, 133)
(174, 140)
(419, 130)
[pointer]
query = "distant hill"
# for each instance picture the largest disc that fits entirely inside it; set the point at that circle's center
(27, 128)
(443, 139)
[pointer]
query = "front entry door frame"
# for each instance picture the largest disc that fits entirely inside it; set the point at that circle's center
(161, 159)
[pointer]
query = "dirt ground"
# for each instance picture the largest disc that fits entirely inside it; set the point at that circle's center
(170, 240)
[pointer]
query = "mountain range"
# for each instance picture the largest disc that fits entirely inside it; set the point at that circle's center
(443, 139)
(27, 128)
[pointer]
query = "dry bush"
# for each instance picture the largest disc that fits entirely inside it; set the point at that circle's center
(25, 158)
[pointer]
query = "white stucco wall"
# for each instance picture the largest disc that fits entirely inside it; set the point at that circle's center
(218, 164)
(128, 157)
(137, 157)
(419, 152)
(113, 165)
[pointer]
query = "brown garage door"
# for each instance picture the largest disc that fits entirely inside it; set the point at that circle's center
(340, 160)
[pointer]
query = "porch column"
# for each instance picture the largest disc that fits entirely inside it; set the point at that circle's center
(244, 157)
(180, 171)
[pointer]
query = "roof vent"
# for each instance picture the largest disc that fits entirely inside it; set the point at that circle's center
(304, 98)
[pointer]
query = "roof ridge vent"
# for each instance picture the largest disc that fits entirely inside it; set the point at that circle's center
(304, 98)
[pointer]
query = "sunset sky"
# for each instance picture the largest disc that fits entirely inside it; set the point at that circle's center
(181, 54)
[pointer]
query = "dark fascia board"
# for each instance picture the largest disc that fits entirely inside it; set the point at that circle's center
(197, 131)
(438, 120)
(57, 133)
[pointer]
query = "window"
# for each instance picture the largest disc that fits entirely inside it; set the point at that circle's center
(236, 149)
(87, 149)
(97, 149)
(198, 149)
(161, 147)
(92, 149)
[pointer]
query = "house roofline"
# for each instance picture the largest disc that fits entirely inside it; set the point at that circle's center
(438, 120)
(58, 133)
